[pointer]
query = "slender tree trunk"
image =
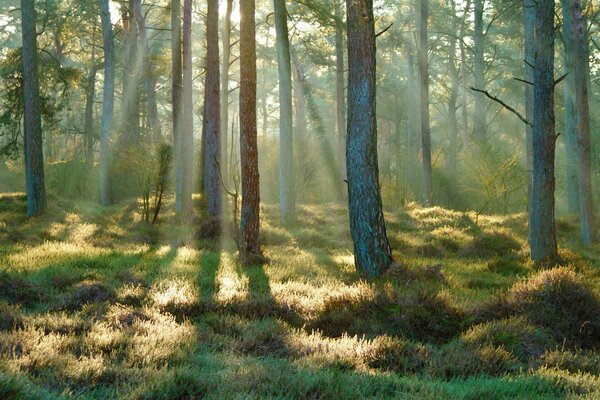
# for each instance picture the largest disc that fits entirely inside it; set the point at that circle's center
(372, 251)
(413, 123)
(149, 83)
(187, 136)
(580, 71)
(177, 100)
(130, 112)
(212, 112)
(422, 8)
(529, 50)
(226, 37)
(339, 88)
(543, 231)
(478, 39)
(250, 251)
(465, 79)
(453, 99)
(287, 196)
(90, 93)
(34, 156)
(108, 97)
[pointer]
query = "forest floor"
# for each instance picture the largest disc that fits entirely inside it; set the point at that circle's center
(97, 305)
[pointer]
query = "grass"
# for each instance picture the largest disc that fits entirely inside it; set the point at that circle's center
(94, 304)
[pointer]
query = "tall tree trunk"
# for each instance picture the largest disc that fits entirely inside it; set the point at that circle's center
(529, 50)
(287, 197)
(34, 156)
(453, 99)
(149, 83)
(478, 39)
(226, 37)
(250, 251)
(90, 93)
(413, 123)
(108, 97)
(177, 100)
(580, 71)
(422, 8)
(372, 251)
(464, 76)
(212, 112)
(187, 136)
(130, 112)
(339, 87)
(543, 231)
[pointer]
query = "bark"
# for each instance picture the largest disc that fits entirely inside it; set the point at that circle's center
(529, 50)
(34, 156)
(130, 99)
(464, 75)
(413, 122)
(478, 39)
(108, 97)
(250, 251)
(90, 93)
(422, 8)
(212, 113)
(287, 197)
(543, 231)
(177, 100)
(187, 136)
(372, 251)
(452, 100)
(340, 89)
(226, 37)
(582, 124)
(149, 83)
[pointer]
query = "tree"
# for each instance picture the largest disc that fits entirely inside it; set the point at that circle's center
(226, 38)
(187, 136)
(108, 97)
(372, 251)
(339, 87)
(212, 113)
(529, 50)
(250, 251)
(582, 124)
(570, 111)
(543, 230)
(34, 157)
(422, 11)
(130, 103)
(177, 100)
(479, 71)
(287, 198)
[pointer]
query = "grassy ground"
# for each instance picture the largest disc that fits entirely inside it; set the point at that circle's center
(96, 305)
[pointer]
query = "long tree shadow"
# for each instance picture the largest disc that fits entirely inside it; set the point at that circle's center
(207, 280)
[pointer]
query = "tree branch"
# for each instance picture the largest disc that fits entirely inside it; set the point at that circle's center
(509, 108)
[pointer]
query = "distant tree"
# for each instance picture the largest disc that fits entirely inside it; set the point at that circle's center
(582, 124)
(212, 113)
(479, 71)
(529, 50)
(372, 251)
(422, 16)
(543, 229)
(187, 136)
(107, 103)
(226, 40)
(340, 96)
(287, 197)
(177, 101)
(34, 157)
(453, 97)
(130, 100)
(250, 251)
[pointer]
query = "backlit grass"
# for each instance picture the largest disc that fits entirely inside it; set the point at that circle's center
(94, 304)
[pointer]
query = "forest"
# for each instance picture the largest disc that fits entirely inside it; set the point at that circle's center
(301, 199)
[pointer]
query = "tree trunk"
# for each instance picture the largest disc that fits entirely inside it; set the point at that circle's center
(130, 112)
(529, 50)
(543, 231)
(413, 124)
(478, 39)
(287, 197)
(422, 8)
(177, 100)
(212, 113)
(580, 72)
(372, 251)
(149, 83)
(452, 100)
(90, 93)
(226, 37)
(250, 251)
(187, 137)
(108, 97)
(34, 156)
(339, 88)
(464, 75)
